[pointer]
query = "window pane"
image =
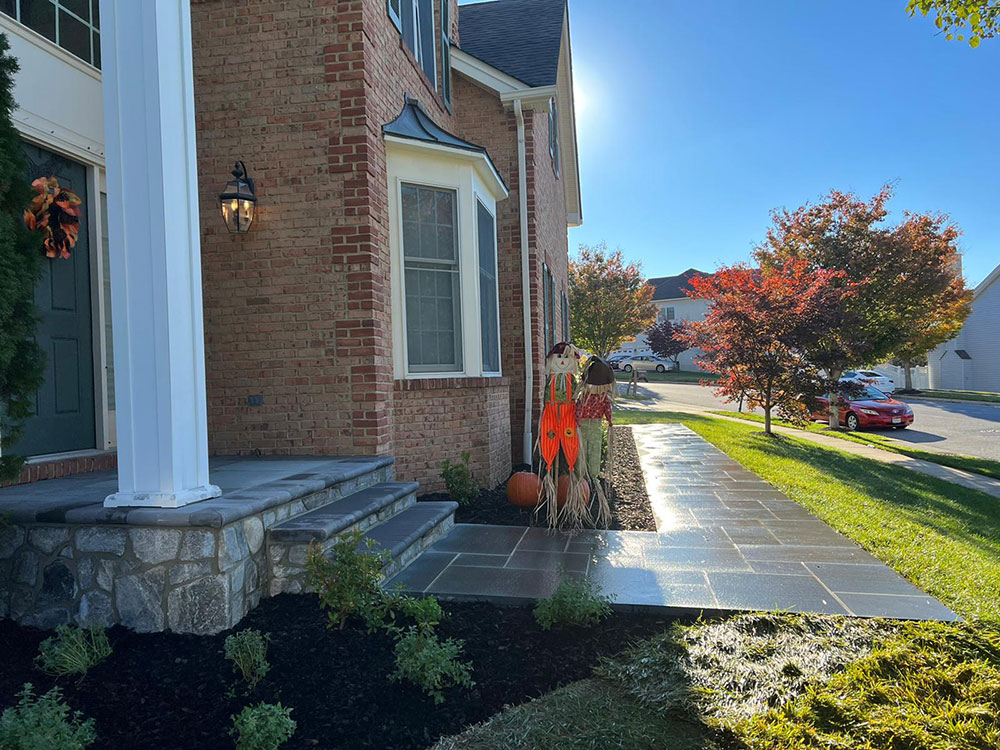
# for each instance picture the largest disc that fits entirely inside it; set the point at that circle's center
(97, 50)
(488, 313)
(39, 15)
(7, 6)
(431, 279)
(74, 36)
(80, 7)
(95, 9)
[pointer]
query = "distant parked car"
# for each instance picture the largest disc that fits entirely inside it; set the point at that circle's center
(869, 377)
(647, 362)
(616, 360)
(867, 407)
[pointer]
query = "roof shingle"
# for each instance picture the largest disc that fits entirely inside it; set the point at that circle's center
(518, 37)
(674, 287)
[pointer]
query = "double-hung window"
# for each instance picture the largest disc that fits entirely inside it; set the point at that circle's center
(75, 25)
(670, 313)
(489, 318)
(432, 279)
(415, 21)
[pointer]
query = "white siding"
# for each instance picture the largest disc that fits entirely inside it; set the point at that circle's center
(684, 309)
(979, 337)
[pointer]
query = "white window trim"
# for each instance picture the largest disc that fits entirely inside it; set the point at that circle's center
(414, 164)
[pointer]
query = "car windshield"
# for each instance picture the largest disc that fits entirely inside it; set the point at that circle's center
(868, 394)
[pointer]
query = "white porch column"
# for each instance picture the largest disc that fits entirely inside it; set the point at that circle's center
(155, 254)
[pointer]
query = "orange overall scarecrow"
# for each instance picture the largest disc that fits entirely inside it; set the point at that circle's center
(566, 497)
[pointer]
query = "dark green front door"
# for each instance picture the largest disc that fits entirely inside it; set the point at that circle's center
(64, 418)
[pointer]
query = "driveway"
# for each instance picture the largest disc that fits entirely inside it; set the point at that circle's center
(947, 427)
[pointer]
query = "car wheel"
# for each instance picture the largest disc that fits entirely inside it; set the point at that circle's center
(852, 422)
(661, 368)
(627, 368)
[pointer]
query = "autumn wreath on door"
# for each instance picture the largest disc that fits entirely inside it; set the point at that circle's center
(55, 214)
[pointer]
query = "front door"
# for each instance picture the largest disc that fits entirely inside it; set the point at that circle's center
(64, 418)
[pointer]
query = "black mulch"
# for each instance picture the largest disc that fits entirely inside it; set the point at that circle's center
(170, 691)
(630, 508)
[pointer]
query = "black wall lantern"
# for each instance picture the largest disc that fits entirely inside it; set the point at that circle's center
(239, 200)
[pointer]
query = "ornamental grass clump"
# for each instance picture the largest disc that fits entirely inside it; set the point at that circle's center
(44, 723)
(247, 650)
(266, 726)
(458, 479)
(73, 650)
(576, 601)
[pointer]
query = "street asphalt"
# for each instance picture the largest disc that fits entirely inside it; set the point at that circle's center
(968, 428)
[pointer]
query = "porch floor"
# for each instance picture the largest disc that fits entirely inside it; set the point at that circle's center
(249, 485)
(725, 541)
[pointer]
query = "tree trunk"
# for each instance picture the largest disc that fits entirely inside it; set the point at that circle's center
(908, 376)
(835, 401)
(767, 420)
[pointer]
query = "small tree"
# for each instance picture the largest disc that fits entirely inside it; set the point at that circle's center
(666, 339)
(896, 275)
(757, 329)
(610, 300)
(974, 20)
(21, 359)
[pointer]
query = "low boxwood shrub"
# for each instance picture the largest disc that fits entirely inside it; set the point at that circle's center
(576, 601)
(72, 650)
(44, 723)
(430, 663)
(458, 479)
(247, 650)
(266, 726)
(347, 581)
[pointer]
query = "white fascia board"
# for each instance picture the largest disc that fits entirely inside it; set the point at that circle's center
(985, 283)
(479, 160)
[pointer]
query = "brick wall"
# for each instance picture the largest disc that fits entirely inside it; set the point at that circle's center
(439, 418)
(36, 471)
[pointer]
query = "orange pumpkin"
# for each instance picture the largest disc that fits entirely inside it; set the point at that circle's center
(523, 489)
(563, 491)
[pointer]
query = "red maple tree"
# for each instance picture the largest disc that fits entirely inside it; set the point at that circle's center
(758, 327)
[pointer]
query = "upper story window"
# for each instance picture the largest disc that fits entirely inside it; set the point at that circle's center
(75, 25)
(554, 134)
(670, 313)
(415, 21)
(446, 53)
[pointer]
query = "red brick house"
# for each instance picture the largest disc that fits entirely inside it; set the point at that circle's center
(416, 170)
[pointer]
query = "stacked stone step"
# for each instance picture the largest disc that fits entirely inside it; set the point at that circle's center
(387, 513)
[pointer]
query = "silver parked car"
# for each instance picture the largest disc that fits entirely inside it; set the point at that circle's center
(647, 362)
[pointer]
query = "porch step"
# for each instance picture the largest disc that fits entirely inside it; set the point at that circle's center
(372, 505)
(408, 534)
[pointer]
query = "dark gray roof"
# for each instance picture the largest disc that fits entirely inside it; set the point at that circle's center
(414, 123)
(673, 287)
(519, 37)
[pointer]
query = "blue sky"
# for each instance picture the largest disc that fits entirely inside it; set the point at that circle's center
(697, 118)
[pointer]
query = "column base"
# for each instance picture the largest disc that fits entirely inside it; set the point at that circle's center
(161, 499)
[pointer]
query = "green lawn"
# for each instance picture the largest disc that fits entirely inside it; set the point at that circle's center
(983, 466)
(795, 682)
(992, 398)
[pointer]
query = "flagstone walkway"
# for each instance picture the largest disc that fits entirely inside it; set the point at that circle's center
(725, 541)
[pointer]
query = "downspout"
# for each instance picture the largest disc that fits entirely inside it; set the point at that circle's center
(529, 364)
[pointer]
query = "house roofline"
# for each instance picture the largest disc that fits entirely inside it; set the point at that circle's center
(985, 283)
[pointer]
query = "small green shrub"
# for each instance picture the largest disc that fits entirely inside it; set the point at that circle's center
(73, 651)
(430, 663)
(462, 486)
(347, 582)
(247, 650)
(44, 723)
(574, 602)
(266, 726)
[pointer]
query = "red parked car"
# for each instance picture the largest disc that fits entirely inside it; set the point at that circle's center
(867, 407)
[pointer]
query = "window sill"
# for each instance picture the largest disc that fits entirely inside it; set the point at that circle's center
(450, 382)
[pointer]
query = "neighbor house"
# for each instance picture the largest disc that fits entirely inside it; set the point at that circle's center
(414, 166)
(971, 360)
(673, 304)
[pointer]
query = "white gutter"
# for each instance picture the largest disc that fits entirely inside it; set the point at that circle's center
(529, 365)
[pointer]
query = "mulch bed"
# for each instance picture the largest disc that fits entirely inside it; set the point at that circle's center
(170, 691)
(630, 508)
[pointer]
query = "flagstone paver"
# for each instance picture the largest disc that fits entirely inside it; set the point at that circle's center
(726, 540)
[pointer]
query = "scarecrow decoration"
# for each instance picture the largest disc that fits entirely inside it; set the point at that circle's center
(55, 213)
(566, 497)
(594, 400)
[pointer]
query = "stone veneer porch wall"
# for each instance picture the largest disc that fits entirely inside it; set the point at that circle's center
(194, 579)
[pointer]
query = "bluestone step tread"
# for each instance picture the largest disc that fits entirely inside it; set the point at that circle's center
(329, 520)
(401, 531)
